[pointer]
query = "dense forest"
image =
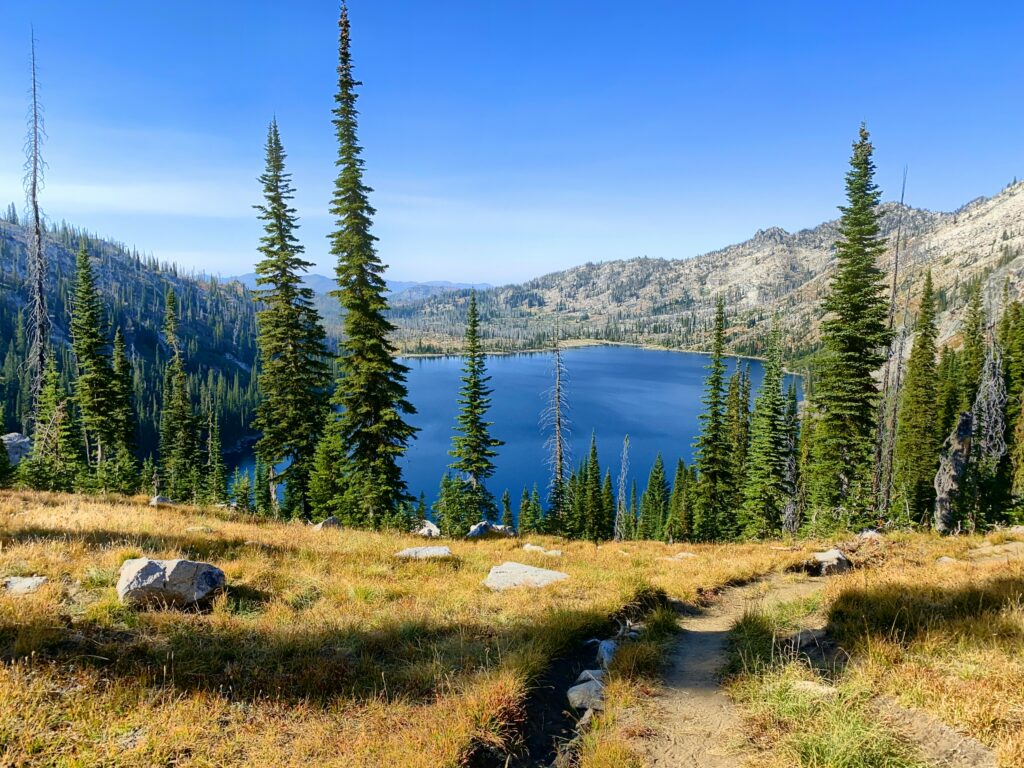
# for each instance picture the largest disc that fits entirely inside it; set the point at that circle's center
(131, 377)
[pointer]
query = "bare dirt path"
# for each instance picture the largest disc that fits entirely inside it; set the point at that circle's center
(697, 723)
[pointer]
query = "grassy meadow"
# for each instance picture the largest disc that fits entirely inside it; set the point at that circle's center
(324, 650)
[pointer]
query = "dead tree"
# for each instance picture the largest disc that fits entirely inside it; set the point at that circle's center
(556, 419)
(39, 318)
(952, 474)
(621, 506)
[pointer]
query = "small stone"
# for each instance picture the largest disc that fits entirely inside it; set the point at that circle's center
(534, 548)
(162, 501)
(424, 553)
(815, 690)
(606, 652)
(832, 562)
(946, 560)
(589, 695)
(509, 575)
(168, 582)
(590, 674)
(330, 522)
(428, 530)
(23, 585)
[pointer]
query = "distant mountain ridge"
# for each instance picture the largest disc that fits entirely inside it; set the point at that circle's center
(398, 290)
(669, 302)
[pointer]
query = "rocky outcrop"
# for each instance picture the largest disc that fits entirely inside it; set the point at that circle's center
(428, 530)
(18, 447)
(953, 460)
(176, 583)
(162, 501)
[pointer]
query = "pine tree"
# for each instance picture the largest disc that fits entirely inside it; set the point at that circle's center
(917, 439)
(92, 382)
(241, 492)
(764, 487)
(949, 392)
(179, 448)
(473, 447)
(855, 333)
(6, 470)
(556, 417)
(679, 526)
(712, 518)
(215, 485)
(737, 430)
(122, 415)
(973, 354)
(455, 509)
(654, 503)
(294, 376)
(527, 522)
(506, 509)
(365, 440)
(56, 462)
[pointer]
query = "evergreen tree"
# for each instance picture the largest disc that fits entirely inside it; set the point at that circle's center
(122, 412)
(92, 382)
(506, 509)
(855, 333)
(473, 447)
(791, 475)
(654, 503)
(293, 374)
(712, 518)
(241, 492)
(6, 470)
(737, 429)
(537, 510)
(262, 502)
(179, 448)
(527, 522)
(607, 522)
(973, 354)
(215, 485)
(917, 439)
(948, 392)
(56, 462)
(680, 520)
(764, 488)
(455, 509)
(356, 470)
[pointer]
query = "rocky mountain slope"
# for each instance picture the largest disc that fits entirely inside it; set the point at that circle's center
(670, 302)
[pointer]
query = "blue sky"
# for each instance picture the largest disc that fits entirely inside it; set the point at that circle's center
(508, 138)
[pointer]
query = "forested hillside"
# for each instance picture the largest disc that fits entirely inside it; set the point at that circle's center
(217, 326)
(671, 302)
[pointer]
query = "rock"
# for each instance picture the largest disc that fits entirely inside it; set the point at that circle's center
(508, 575)
(162, 501)
(584, 722)
(428, 530)
(504, 530)
(590, 674)
(168, 582)
(949, 479)
(589, 695)
(424, 553)
(807, 638)
(683, 555)
(199, 529)
(18, 447)
(815, 690)
(534, 548)
(946, 560)
(330, 522)
(485, 527)
(832, 562)
(23, 585)
(553, 553)
(870, 535)
(606, 651)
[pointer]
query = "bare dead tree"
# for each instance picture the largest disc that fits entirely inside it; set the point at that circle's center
(555, 419)
(621, 506)
(39, 318)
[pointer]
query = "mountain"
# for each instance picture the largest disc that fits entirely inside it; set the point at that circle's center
(669, 302)
(217, 326)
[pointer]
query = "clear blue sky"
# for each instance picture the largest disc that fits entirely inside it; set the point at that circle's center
(508, 138)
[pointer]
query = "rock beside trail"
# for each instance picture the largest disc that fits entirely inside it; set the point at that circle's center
(509, 575)
(168, 582)
(588, 675)
(589, 695)
(162, 501)
(330, 522)
(428, 530)
(424, 553)
(832, 562)
(23, 585)
(18, 447)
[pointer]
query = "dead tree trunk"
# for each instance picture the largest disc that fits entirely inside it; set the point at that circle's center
(949, 480)
(39, 318)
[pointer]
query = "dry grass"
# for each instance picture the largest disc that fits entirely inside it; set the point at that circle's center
(325, 650)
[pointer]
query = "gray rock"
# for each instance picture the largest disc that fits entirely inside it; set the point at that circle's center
(23, 585)
(424, 553)
(870, 535)
(428, 530)
(509, 575)
(199, 529)
(606, 651)
(807, 638)
(485, 528)
(1016, 530)
(539, 549)
(590, 674)
(832, 562)
(168, 582)
(330, 522)
(946, 560)
(553, 553)
(589, 695)
(18, 447)
(162, 501)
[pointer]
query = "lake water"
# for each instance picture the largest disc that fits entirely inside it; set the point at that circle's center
(651, 395)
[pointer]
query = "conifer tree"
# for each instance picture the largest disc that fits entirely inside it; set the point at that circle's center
(556, 417)
(92, 382)
(537, 510)
(122, 415)
(293, 376)
(472, 446)
(712, 516)
(527, 522)
(654, 503)
(972, 357)
(791, 475)
(6, 470)
(241, 492)
(764, 488)
(357, 471)
(179, 448)
(506, 509)
(56, 462)
(917, 439)
(215, 480)
(855, 333)
(948, 392)
(737, 429)
(680, 520)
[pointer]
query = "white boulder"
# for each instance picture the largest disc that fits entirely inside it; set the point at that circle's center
(540, 550)
(168, 582)
(161, 501)
(428, 530)
(330, 522)
(485, 527)
(588, 695)
(23, 585)
(832, 562)
(509, 575)
(424, 553)
(18, 447)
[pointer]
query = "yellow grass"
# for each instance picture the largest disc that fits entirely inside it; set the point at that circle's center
(326, 650)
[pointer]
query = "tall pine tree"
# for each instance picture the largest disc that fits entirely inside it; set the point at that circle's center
(712, 518)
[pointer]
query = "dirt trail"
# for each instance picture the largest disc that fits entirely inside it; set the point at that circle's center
(698, 725)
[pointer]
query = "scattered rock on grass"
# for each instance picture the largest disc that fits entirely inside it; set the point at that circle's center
(168, 582)
(424, 553)
(162, 501)
(807, 638)
(23, 585)
(541, 550)
(485, 528)
(589, 695)
(428, 530)
(330, 522)
(509, 575)
(870, 535)
(946, 560)
(832, 562)
(199, 529)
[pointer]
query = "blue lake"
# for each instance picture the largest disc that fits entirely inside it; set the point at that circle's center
(653, 396)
